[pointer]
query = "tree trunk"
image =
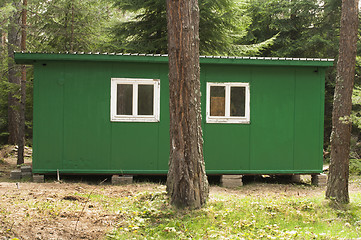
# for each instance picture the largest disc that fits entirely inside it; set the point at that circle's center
(337, 185)
(3, 40)
(72, 28)
(13, 103)
(21, 137)
(187, 183)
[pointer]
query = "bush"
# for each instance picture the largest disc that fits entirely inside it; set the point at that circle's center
(355, 166)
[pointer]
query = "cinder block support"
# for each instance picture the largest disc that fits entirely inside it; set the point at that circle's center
(231, 181)
(26, 171)
(26, 174)
(125, 179)
(37, 178)
(319, 180)
(25, 168)
(15, 174)
(296, 178)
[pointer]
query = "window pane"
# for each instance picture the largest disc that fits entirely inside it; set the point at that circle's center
(124, 99)
(238, 101)
(145, 99)
(218, 101)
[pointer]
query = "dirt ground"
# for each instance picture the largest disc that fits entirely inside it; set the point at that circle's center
(24, 213)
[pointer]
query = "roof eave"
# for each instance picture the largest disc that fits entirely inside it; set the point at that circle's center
(31, 58)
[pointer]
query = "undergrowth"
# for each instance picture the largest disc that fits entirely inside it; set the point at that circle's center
(148, 216)
(355, 167)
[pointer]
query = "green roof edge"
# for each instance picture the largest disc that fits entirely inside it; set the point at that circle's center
(31, 58)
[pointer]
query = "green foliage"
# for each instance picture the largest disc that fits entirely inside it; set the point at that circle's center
(306, 28)
(6, 10)
(67, 25)
(355, 155)
(4, 86)
(145, 31)
(231, 217)
(5, 89)
(356, 107)
(222, 25)
(355, 166)
(3, 108)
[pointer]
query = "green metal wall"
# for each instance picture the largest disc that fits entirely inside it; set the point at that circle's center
(73, 131)
(286, 128)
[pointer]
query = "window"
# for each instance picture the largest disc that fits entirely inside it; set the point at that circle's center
(228, 103)
(135, 100)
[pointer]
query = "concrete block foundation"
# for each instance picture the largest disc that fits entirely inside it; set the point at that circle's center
(319, 180)
(26, 171)
(296, 178)
(15, 174)
(25, 174)
(231, 181)
(125, 179)
(38, 178)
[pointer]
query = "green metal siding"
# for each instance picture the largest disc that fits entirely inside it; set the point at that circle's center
(73, 131)
(86, 114)
(272, 123)
(308, 120)
(48, 120)
(285, 131)
(226, 146)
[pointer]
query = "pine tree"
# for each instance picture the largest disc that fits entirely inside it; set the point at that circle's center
(337, 185)
(187, 183)
(68, 25)
(222, 25)
(21, 127)
(13, 44)
(306, 28)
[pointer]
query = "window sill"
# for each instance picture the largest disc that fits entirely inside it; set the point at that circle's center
(228, 120)
(134, 119)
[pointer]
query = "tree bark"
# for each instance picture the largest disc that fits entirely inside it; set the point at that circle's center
(337, 185)
(187, 183)
(21, 137)
(13, 102)
(72, 28)
(3, 40)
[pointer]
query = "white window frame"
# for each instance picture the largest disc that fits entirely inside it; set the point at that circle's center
(135, 117)
(227, 118)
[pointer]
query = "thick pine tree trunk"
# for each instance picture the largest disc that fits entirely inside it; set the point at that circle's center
(21, 137)
(187, 183)
(337, 185)
(13, 78)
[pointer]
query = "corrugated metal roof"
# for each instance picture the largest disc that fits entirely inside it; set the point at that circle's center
(166, 55)
(33, 57)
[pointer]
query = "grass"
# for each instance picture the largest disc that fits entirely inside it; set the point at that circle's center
(148, 216)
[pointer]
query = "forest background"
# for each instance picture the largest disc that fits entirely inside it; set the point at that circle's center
(272, 28)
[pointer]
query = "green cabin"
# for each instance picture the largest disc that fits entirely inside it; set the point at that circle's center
(109, 114)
